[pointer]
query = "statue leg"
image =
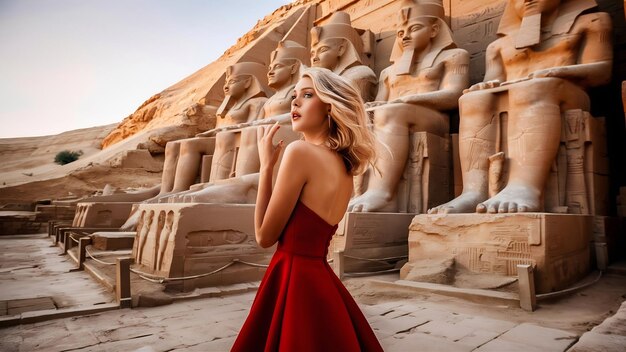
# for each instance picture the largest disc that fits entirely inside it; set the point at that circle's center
(533, 140)
(191, 152)
(224, 157)
(392, 125)
(237, 190)
(478, 130)
(172, 150)
(248, 156)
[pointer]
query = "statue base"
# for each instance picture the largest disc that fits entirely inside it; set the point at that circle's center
(368, 242)
(101, 214)
(180, 240)
(557, 245)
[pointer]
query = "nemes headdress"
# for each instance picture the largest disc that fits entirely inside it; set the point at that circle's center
(258, 87)
(527, 29)
(339, 27)
(411, 10)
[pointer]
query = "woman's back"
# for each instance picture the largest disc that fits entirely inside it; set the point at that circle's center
(329, 186)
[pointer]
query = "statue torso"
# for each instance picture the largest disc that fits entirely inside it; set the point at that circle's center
(418, 81)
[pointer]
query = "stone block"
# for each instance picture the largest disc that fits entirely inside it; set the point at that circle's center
(186, 239)
(556, 244)
(112, 241)
(110, 214)
(545, 339)
(371, 236)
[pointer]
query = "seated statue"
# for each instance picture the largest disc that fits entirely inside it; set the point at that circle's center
(427, 78)
(548, 52)
(236, 144)
(238, 184)
(245, 94)
(338, 47)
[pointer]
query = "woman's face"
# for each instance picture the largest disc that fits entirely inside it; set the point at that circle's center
(308, 112)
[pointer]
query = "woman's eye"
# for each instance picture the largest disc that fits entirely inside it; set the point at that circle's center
(308, 95)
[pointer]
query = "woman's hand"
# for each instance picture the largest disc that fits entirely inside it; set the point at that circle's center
(268, 153)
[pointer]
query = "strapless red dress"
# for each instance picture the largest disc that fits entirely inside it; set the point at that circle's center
(301, 305)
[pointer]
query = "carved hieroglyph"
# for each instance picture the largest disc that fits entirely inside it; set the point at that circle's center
(556, 244)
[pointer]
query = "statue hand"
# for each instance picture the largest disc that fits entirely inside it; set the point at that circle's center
(373, 104)
(483, 85)
(209, 133)
(267, 121)
(268, 152)
(549, 72)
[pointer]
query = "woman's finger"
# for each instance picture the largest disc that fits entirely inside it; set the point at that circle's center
(273, 130)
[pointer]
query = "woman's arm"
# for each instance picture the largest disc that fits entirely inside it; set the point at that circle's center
(274, 207)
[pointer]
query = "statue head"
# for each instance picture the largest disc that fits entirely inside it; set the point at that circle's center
(336, 45)
(286, 63)
(517, 15)
(421, 28)
(244, 80)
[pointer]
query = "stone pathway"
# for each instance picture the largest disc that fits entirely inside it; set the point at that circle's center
(212, 324)
(31, 270)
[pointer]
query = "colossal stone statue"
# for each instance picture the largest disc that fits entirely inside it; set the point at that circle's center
(246, 93)
(240, 187)
(338, 47)
(284, 71)
(427, 78)
(548, 53)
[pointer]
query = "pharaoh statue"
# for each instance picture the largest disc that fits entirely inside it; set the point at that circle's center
(245, 95)
(548, 53)
(287, 62)
(338, 47)
(426, 79)
(236, 144)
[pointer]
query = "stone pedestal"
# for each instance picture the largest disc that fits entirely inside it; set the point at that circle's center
(364, 239)
(96, 214)
(557, 245)
(185, 239)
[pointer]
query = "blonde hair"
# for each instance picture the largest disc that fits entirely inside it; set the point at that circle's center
(348, 134)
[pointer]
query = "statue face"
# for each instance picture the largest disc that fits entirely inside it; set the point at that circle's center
(327, 53)
(530, 7)
(280, 73)
(416, 34)
(236, 85)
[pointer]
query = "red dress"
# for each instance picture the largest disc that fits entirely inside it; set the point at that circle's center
(301, 305)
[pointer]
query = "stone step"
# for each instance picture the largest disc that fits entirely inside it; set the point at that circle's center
(112, 241)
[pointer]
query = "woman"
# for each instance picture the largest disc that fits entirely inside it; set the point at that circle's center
(301, 305)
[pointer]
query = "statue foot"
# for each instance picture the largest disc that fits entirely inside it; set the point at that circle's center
(373, 201)
(131, 222)
(512, 199)
(465, 203)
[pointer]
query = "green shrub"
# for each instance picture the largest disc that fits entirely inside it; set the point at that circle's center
(66, 156)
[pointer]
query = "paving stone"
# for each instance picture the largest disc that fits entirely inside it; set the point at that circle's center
(594, 342)
(380, 309)
(478, 338)
(446, 330)
(483, 323)
(500, 345)
(422, 342)
(397, 325)
(543, 338)
(615, 325)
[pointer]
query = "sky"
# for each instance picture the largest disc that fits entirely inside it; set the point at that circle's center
(70, 64)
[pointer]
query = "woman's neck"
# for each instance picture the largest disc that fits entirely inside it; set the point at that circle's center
(319, 138)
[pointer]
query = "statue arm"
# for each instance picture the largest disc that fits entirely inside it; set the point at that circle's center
(494, 71)
(596, 56)
(383, 90)
(255, 109)
(455, 79)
